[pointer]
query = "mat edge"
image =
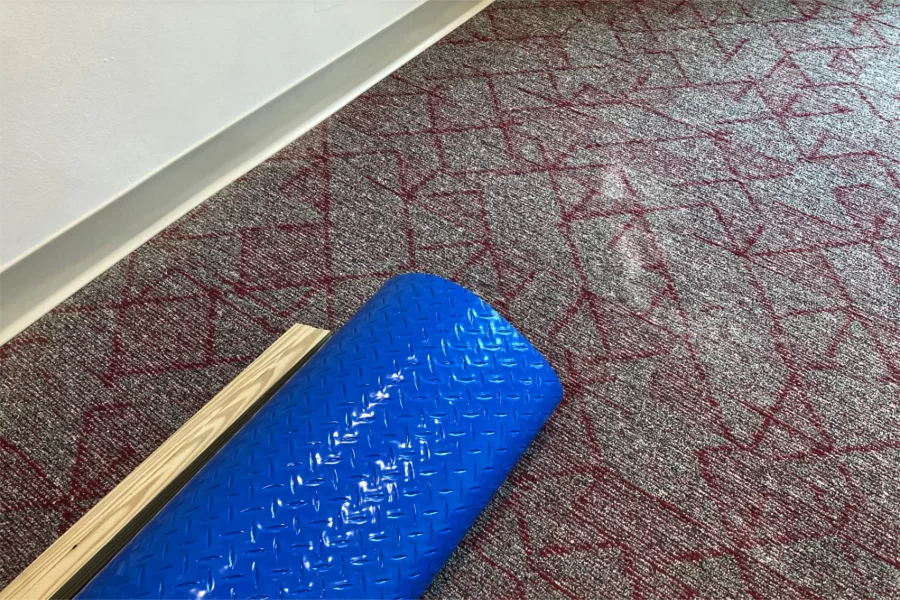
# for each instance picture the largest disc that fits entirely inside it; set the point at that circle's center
(70, 562)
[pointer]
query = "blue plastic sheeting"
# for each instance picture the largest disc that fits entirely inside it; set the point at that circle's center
(363, 473)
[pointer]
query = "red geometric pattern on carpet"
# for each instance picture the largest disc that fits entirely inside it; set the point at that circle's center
(691, 206)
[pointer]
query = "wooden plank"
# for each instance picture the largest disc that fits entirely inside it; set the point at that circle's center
(67, 565)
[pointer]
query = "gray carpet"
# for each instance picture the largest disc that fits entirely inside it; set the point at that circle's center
(691, 206)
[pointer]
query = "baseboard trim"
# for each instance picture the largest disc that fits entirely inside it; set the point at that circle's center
(36, 283)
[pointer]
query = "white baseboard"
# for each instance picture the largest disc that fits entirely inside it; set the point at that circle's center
(36, 283)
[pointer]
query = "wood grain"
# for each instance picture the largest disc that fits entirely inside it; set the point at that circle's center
(67, 565)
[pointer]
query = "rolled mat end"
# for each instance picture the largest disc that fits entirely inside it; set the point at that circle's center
(363, 473)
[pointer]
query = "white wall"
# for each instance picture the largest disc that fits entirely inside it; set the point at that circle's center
(97, 94)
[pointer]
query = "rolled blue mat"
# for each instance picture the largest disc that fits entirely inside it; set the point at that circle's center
(363, 473)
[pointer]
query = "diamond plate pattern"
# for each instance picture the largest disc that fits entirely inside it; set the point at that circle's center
(691, 206)
(362, 474)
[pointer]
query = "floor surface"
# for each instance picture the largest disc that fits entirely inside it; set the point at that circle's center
(692, 207)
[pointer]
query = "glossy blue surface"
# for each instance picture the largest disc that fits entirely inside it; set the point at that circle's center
(363, 473)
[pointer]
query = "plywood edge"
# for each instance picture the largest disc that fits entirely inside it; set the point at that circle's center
(67, 565)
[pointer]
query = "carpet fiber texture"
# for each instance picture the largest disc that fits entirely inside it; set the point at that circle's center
(692, 207)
